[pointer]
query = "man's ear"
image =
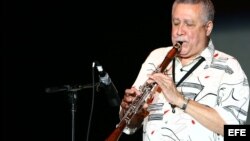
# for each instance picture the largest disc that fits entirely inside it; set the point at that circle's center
(209, 27)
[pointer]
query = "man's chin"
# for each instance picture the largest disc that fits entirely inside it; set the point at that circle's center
(182, 55)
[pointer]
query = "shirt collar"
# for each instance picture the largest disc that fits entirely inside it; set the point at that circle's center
(208, 52)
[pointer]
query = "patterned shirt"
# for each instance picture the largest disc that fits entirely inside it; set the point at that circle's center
(218, 82)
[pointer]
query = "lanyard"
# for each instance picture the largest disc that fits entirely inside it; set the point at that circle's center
(185, 76)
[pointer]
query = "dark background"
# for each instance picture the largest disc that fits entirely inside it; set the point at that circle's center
(54, 43)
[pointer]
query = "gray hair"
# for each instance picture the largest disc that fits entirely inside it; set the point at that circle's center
(208, 7)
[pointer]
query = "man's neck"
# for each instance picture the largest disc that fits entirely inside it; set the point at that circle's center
(186, 61)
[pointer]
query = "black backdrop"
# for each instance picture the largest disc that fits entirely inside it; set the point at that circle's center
(54, 43)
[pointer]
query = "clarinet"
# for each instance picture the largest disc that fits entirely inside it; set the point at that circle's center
(145, 90)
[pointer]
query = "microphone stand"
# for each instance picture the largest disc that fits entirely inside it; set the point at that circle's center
(73, 91)
(73, 99)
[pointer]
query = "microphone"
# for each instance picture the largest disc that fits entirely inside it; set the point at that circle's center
(108, 86)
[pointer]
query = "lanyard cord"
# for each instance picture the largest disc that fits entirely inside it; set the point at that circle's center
(185, 76)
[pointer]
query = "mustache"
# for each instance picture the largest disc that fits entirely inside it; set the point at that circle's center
(181, 39)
